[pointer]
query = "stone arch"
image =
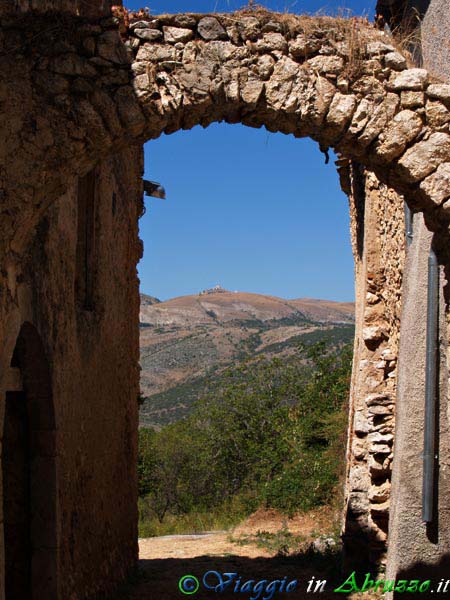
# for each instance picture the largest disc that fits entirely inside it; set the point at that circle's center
(29, 473)
(338, 81)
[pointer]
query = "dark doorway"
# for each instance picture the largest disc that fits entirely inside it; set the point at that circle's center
(16, 493)
(29, 474)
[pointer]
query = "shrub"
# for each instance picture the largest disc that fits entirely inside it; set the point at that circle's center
(266, 437)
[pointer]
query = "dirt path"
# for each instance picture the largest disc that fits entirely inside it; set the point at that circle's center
(220, 544)
(165, 560)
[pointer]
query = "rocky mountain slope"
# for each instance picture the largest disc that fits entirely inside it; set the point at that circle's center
(186, 339)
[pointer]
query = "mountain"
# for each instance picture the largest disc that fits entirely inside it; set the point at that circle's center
(186, 340)
(149, 300)
(223, 307)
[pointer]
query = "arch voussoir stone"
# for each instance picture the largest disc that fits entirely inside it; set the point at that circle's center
(338, 81)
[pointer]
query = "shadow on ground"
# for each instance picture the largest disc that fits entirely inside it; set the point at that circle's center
(158, 579)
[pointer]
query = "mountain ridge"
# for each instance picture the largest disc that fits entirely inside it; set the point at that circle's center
(184, 340)
(240, 305)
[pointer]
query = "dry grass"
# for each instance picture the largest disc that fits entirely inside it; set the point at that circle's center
(356, 44)
(407, 39)
(352, 32)
(355, 32)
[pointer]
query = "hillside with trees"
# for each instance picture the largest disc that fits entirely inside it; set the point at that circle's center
(271, 435)
(189, 343)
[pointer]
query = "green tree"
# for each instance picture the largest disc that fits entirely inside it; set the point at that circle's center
(272, 433)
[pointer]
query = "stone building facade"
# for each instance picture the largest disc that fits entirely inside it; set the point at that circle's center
(80, 91)
(74, 309)
(419, 549)
(385, 499)
(69, 305)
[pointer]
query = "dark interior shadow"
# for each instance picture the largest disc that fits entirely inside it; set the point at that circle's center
(439, 574)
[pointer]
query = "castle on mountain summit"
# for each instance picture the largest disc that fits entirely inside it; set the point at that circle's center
(217, 289)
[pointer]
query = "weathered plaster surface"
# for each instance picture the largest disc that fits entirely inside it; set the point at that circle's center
(435, 35)
(93, 356)
(416, 549)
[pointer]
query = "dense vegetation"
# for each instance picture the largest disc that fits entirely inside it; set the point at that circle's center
(178, 401)
(271, 435)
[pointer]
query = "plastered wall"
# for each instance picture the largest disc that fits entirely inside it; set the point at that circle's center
(93, 359)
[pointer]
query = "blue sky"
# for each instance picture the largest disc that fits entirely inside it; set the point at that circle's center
(250, 210)
(358, 7)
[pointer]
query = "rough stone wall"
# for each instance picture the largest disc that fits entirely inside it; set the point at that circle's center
(418, 549)
(81, 95)
(378, 240)
(93, 355)
(86, 8)
(340, 82)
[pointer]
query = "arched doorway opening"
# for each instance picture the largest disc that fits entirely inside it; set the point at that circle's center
(29, 474)
(252, 234)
